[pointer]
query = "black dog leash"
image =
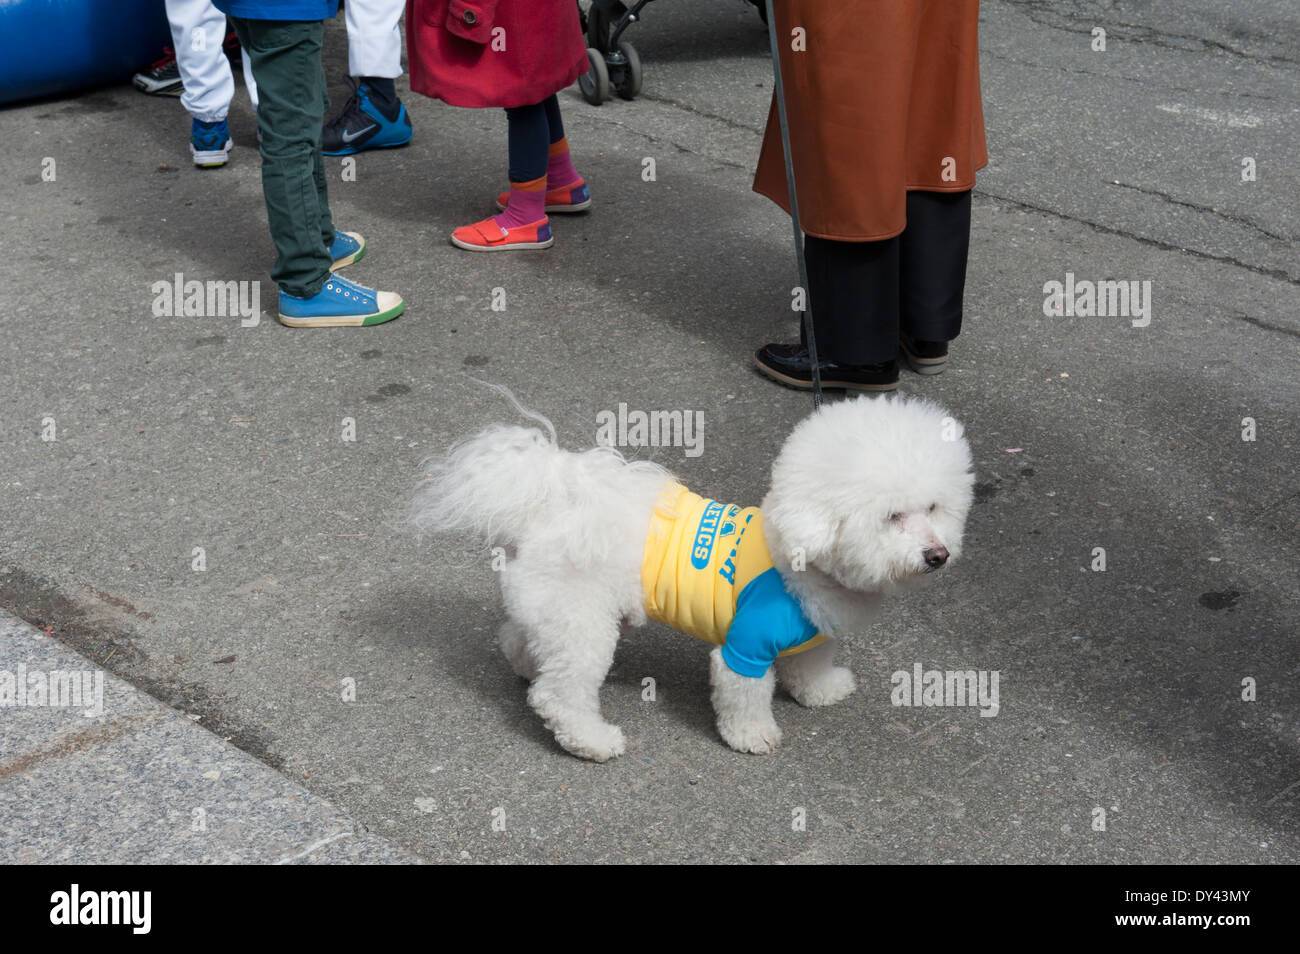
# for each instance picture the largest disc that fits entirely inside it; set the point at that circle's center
(794, 210)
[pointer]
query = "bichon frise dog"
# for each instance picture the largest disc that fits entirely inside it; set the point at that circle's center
(867, 494)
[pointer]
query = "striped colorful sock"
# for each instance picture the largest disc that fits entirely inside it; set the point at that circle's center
(559, 166)
(527, 204)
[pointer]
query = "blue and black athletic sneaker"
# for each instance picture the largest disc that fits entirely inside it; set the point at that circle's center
(366, 122)
(210, 143)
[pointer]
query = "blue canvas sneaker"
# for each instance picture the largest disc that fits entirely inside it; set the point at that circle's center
(347, 248)
(340, 304)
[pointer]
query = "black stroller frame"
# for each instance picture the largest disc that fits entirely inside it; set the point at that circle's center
(613, 62)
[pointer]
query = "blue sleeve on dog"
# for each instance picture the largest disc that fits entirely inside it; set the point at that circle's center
(768, 621)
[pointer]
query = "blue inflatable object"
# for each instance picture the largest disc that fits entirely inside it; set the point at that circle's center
(59, 46)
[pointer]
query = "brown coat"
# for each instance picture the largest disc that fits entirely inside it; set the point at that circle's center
(884, 98)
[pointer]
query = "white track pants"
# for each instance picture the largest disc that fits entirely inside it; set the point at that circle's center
(374, 38)
(198, 30)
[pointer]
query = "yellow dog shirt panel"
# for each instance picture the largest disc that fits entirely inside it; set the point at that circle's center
(707, 572)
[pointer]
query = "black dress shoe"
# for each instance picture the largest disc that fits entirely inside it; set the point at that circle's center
(790, 365)
(924, 357)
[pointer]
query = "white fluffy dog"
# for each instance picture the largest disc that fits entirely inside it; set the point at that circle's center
(866, 494)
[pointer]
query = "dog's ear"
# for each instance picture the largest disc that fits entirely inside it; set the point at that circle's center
(803, 535)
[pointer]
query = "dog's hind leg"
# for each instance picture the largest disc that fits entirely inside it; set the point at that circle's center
(513, 639)
(573, 654)
(811, 678)
(743, 706)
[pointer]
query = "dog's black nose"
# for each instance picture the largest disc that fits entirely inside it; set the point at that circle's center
(935, 558)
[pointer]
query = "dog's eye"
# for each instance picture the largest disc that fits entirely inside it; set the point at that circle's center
(933, 507)
(895, 518)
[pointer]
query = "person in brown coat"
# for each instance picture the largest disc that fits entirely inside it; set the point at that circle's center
(886, 134)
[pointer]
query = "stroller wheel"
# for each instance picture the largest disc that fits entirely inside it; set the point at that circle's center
(628, 84)
(594, 83)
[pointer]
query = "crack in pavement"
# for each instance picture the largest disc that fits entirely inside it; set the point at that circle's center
(651, 138)
(687, 107)
(1269, 508)
(46, 605)
(1227, 216)
(1141, 33)
(1267, 326)
(1274, 273)
(1141, 81)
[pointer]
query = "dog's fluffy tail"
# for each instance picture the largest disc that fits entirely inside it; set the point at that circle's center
(491, 484)
(507, 479)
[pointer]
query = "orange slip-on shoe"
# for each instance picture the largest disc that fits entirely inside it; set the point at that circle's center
(487, 236)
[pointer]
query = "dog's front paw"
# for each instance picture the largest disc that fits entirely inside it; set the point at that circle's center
(834, 685)
(598, 743)
(759, 737)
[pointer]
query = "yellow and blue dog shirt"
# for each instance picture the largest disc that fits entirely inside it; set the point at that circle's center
(707, 572)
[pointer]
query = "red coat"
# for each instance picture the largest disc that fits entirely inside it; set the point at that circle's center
(493, 52)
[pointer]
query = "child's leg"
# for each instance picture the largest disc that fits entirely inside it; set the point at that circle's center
(529, 139)
(565, 189)
(373, 116)
(318, 172)
(286, 59)
(375, 42)
(198, 30)
(523, 222)
(559, 167)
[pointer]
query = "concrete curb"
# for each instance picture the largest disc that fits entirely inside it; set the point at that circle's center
(140, 782)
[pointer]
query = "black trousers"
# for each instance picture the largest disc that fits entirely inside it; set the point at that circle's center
(863, 294)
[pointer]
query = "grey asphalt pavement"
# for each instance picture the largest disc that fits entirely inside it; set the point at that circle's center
(1123, 735)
